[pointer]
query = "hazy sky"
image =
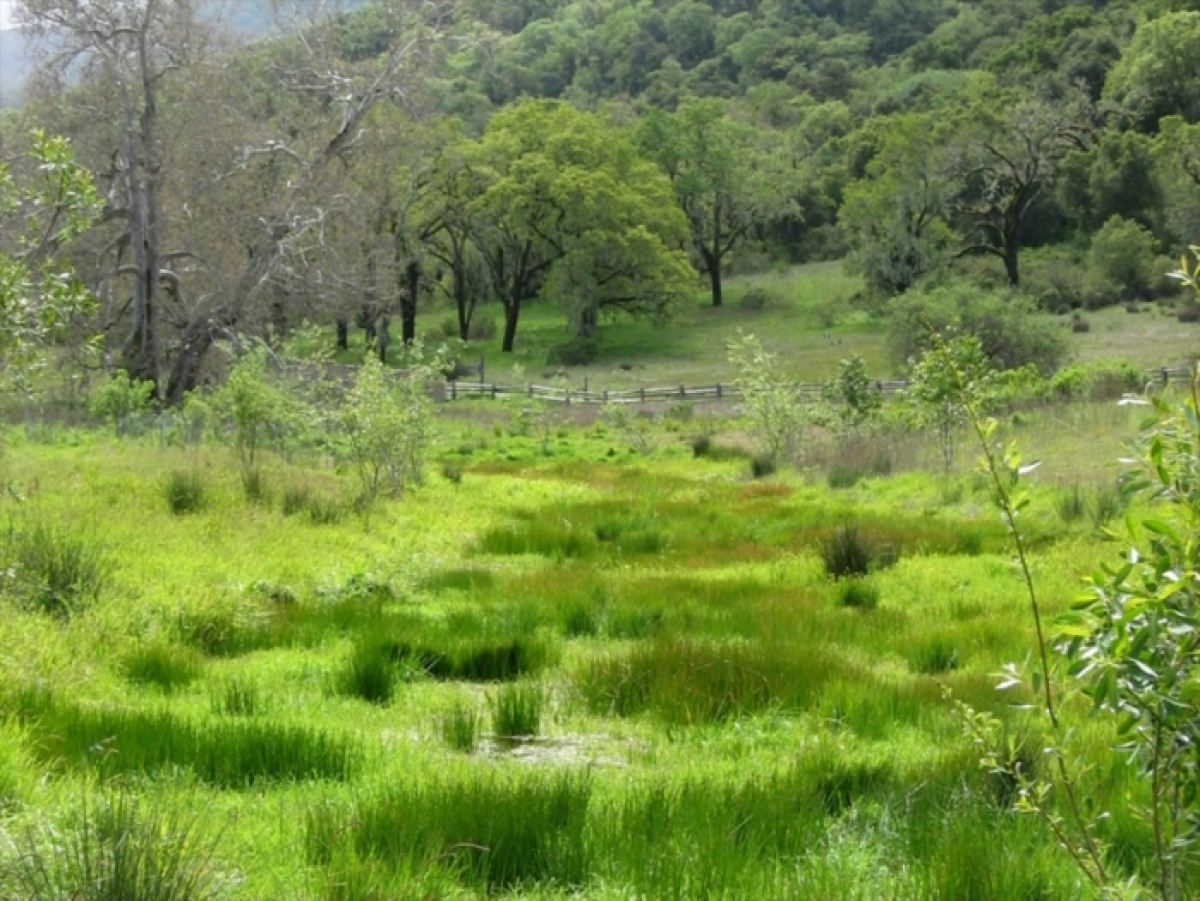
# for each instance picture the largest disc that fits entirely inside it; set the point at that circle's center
(5, 15)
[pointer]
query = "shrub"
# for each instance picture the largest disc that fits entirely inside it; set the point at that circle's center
(1098, 380)
(858, 593)
(54, 570)
(847, 553)
(1188, 312)
(777, 415)
(762, 466)
(121, 398)
(702, 445)
(460, 727)
(186, 491)
(756, 299)
(576, 352)
(1123, 253)
(1079, 325)
(452, 472)
(517, 710)
(166, 666)
(1011, 331)
(118, 846)
(844, 476)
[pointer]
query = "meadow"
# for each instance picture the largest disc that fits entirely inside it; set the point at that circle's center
(583, 658)
(578, 671)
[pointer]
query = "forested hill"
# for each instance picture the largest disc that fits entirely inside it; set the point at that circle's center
(388, 159)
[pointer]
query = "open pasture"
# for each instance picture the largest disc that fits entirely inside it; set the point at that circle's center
(592, 674)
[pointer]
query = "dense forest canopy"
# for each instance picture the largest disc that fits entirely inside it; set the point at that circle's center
(359, 166)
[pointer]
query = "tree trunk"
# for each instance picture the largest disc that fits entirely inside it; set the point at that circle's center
(1011, 264)
(588, 323)
(512, 312)
(195, 342)
(712, 262)
(385, 337)
(408, 302)
(343, 333)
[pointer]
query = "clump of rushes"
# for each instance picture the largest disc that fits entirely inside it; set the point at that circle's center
(460, 727)
(517, 710)
(847, 553)
(51, 569)
(185, 491)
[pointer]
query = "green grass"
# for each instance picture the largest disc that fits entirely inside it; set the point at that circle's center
(53, 569)
(712, 715)
(225, 753)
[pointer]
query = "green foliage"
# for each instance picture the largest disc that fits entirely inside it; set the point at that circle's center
(39, 297)
(853, 398)
(1157, 72)
(116, 845)
(517, 710)
(52, 569)
(1010, 330)
(121, 398)
(769, 399)
(370, 674)
(185, 491)
(254, 407)
(1124, 254)
(940, 380)
(385, 426)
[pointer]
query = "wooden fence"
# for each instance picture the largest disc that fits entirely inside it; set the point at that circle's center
(457, 390)
(720, 391)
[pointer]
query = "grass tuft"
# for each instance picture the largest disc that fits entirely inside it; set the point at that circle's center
(497, 831)
(118, 846)
(859, 593)
(54, 570)
(847, 553)
(224, 753)
(517, 710)
(185, 491)
(460, 727)
(166, 666)
(237, 696)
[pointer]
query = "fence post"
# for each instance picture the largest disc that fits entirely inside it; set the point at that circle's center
(493, 390)
(605, 396)
(454, 390)
(531, 389)
(718, 390)
(682, 391)
(567, 396)
(481, 378)
(585, 384)
(643, 394)
(1166, 376)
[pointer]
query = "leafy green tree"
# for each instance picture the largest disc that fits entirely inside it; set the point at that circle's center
(571, 210)
(895, 216)
(384, 426)
(1124, 254)
(940, 380)
(1116, 177)
(1010, 156)
(1159, 69)
(254, 406)
(727, 180)
(40, 216)
(770, 399)
(1177, 157)
(852, 396)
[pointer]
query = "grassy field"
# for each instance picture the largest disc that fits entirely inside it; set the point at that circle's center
(587, 673)
(809, 320)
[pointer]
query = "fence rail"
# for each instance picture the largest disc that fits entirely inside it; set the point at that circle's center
(720, 391)
(456, 390)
